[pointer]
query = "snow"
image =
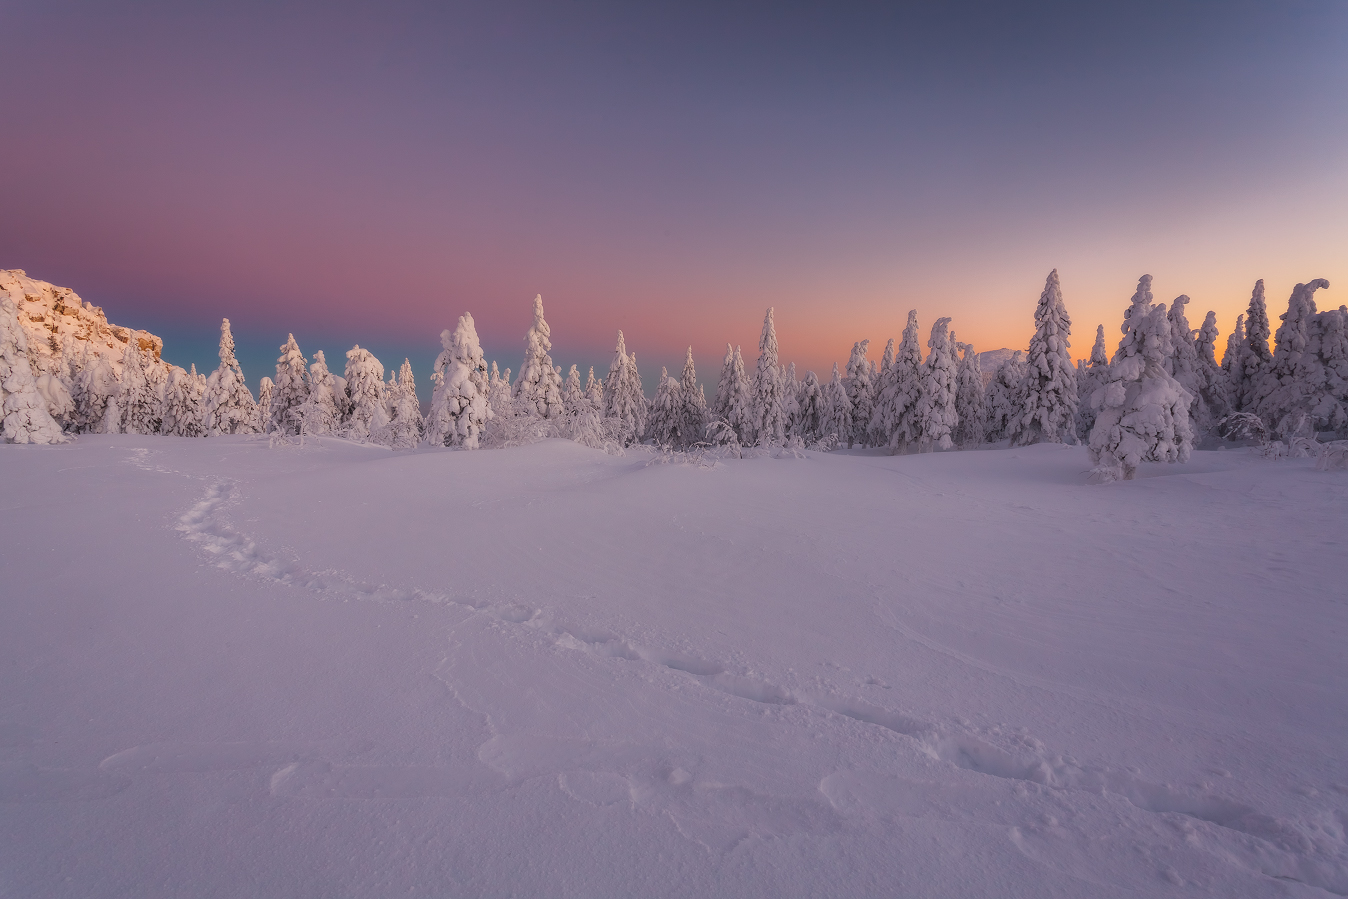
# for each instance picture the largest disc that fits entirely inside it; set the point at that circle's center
(329, 669)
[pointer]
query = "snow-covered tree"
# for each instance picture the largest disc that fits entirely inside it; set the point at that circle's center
(733, 395)
(811, 410)
(459, 408)
(365, 388)
(56, 393)
(934, 413)
(769, 420)
(970, 400)
(662, 414)
(183, 403)
(860, 393)
(573, 394)
(1214, 403)
(1142, 413)
(1293, 384)
(885, 389)
(498, 393)
(1184, 365)
(1247, 368)
(405, 425)
(899, 409)
(836, 422)
(320, 414)
(139, 404)
(23, 412)
(265, 388)
(291, 390)
(624, 401)
(691, 412)
(1331, 413)
(230, 408)
(594, 392)
(1234, 340)
(95, 388)
(1091, 375)
(1048, 395)
(1004, 396)
(538, 389)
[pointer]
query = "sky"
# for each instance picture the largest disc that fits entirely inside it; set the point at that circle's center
(367, 173)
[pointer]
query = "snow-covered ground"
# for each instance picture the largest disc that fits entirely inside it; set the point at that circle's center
(235, 670)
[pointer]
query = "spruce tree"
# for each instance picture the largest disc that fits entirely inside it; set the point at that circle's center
(769, 418)
(291, 389)
(459, 408)
(1331, 413)
(1248, 367)
(230, 408)
(970, 407)
(139, 404)
(368, 418)
(860, 394)
(883, 413)
(1292, 385)
(1184, 366)
(1091, 375)
(902, 427)
(265, 388)
(538, 389)
(691, 418)
(1142, 413)
(320, 413)
(934, 412)
(624, 402)
(1004, 396)
(1048, 395)
(836, 423)
(405, 425)
(812, 411)
(182, 404)
(1214, 401)
(662, 414)
(23, 412)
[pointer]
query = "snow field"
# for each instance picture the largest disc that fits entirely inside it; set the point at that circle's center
(336, 670)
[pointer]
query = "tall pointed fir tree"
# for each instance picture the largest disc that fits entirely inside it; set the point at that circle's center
(624, 401)
(538, 389)
(733, 395)
(1254, 357)
(1214, 401)
(320, 413)
(885, 389)
(594, 392)
(459, 408)
(405, 424)
(230, 408)
(23, 412)
(1004, 401)
(1234, 341)
(365, 387)
(900, 410)
(1142, 413)
(182, 404)
(935, 416)
(662, 412)
(769, 418)
(691, 416)
(836, 424)
(573, 394)
(860, 394)
(291, 389)
(1293, 383)
(1091, 375)
(970, 406)
(1048, 396)
(1184, 364)
(808, 425)
(139, 404)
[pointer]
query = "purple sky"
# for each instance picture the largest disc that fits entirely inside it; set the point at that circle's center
(367, 174)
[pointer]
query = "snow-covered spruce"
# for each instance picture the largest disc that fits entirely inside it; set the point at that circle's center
(229, 404)
(690, 420)
(860, 394)
(55, 389)
(1292, 385)
(898, 410)
(1184, 365)
(405, 425)
(934, 413)
(811, 412)
(139, 403)
(265, 388)
(970, 400)
(1003, 398)
(1331, 413)
(95, 388)
(320, 414)
(23, 412)
(459, 407)
(498, 393)
(885, 389)
(1091, 375)
(290, 390)
(1048, 396)
(594, 392)
(624, 402)
(768, 424)
(836, 420)
(368, 419)
(183, 403)
(1142, 413)
(733, 394)
(1253, 356)
(538, 389)
(661, 426)
(573, 394)
(1214, 402)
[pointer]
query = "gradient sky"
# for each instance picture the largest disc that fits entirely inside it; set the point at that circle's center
(367, 173)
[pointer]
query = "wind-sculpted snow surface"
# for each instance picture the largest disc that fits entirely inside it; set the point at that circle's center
(328, 669)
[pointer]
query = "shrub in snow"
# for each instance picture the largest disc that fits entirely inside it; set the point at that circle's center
(934, 413)
(1142, 413)
(183, 414)
(860, 394)
(291, 390)
(734, 396)
(1293, 384)
(459, 407)
(1003, 398)
(808, 423)
(538, 390)
(1253, 356)
(1048, 395)
(624, 401)
(320, 413)
(970, 407)
(23, 411)
(229, 403)
(405, 425)
(836, 420)
(768, 422)
(1091, 375)
(139, 403)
